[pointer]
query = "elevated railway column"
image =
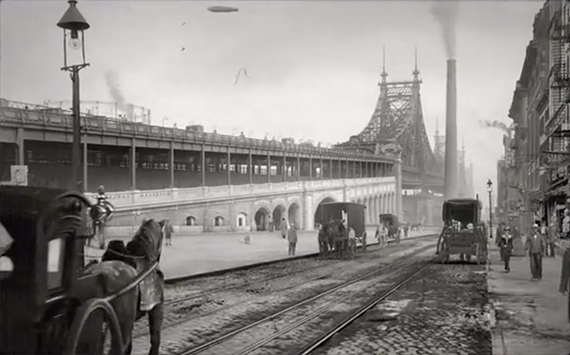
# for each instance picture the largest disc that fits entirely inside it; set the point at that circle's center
(398, 194)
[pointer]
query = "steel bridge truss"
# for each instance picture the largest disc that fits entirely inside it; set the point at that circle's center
(398, 118)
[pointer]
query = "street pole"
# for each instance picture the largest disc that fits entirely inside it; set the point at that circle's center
(490, 216)
(76, 145)
(74, 25)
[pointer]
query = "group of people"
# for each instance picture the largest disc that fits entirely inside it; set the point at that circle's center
(383, 232)
(540, 242)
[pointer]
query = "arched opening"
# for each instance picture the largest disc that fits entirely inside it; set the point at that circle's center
(261, 220)
(278, 216)
(294, 215)
(241, 219)
(218, 221)
(190, 221)
(318, 211)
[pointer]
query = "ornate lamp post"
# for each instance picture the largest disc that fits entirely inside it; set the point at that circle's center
(73, 25)
(490, 191)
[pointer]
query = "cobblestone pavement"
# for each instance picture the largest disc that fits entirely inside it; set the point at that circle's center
(445, 310)
(195, 322)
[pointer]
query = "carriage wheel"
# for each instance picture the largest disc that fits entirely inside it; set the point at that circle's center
(86, 318)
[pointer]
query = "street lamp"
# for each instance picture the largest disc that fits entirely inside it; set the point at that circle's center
(73, 25)
(490, 191)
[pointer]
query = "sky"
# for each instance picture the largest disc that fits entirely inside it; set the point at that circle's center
(313, 66)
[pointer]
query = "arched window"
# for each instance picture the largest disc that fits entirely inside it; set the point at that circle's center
(190, 221)
(219, 221)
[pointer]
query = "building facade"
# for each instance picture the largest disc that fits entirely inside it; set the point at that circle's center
(539, 111)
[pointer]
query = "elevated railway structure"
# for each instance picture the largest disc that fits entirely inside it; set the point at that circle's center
(180, 173)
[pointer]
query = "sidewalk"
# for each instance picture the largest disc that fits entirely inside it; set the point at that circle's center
(531, 316)
(198, 254)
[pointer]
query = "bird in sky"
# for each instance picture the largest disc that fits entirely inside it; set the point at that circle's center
(239, 73)
(183, 49)
(183, 23)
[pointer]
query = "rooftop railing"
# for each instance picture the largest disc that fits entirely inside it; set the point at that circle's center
(46, 118)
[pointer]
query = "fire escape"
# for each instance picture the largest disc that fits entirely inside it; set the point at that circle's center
(555, 156)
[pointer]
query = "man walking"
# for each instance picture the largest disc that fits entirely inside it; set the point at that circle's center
(565, 277)
(381, 234)
(292, 238)
(168, 232)
(506, 245)
(536, 246)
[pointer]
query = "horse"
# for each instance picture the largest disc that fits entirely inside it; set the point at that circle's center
(339, 234)
(119, 266)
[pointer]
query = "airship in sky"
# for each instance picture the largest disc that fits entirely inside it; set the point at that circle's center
(223, 9)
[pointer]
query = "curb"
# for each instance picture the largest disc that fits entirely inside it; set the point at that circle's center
(178, 279)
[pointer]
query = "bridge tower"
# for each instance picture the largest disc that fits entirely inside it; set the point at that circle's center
(398, 120)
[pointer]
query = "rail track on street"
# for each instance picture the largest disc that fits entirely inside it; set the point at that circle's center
(360, 311)
(209, 291)
(287, 330)
(174, 318)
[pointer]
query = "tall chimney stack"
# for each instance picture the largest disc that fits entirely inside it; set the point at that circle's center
(451, 166)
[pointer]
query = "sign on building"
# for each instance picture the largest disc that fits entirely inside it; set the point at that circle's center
(19, 175)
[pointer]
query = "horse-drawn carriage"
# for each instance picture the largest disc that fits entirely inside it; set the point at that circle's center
(462, 233)
(392, 225)
(337, 219)
(50, 303)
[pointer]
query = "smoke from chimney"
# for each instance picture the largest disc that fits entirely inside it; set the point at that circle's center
(451, 163)
(112, 79)
(496, 124)
(445, 12)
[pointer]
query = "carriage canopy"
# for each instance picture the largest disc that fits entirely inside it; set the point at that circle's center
(464, 210)
(353, 213)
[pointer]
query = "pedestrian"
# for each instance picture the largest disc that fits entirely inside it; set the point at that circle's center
(292, 238)
(351, 241)
(323, 241)
(536, 246)
(406, 229)
(565, 277)
(168, 232)
(283, 228)
(381, 234)
(506, 245)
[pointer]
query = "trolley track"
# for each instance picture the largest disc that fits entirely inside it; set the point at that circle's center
(315, 344)
(175, 309)
(267, 278)
(264, 331)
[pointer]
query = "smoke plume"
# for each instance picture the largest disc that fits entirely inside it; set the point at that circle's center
(445, 12)
(496, 124)
(112, 79)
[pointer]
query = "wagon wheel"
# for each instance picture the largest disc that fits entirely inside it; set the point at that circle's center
(85, 315)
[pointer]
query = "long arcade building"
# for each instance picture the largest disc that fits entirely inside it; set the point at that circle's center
(122, 155)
